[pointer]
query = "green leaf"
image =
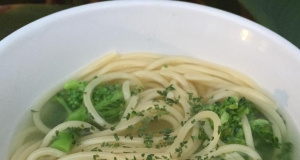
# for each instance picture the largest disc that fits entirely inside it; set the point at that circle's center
(224, 117)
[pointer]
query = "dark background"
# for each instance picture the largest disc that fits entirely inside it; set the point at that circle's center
(17, 13)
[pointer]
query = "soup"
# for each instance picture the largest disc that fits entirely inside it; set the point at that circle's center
(150, 106)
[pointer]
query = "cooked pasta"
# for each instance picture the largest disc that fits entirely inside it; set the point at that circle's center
(169, 107)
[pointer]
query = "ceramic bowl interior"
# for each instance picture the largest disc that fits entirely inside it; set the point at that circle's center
(43, 54)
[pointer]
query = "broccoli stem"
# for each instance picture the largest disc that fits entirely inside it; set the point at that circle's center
(64, 141)
(79, 114)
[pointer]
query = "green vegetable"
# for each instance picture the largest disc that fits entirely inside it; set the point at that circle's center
(264, 139)
(262, 128)
(286, 151)
(109, 101)
(231, 111)
(72, 93)
(80, 114)
(67, 139)
(71, 99)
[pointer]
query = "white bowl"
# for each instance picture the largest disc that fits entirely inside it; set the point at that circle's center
(42, 54)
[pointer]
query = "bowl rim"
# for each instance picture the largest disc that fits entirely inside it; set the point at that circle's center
(28, 29)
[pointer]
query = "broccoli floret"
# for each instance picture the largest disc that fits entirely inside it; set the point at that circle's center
(71, 98)
(73, 93)
(263, 129)
(230, 111)
(109, 101)
(264, 139)
(286, 151)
